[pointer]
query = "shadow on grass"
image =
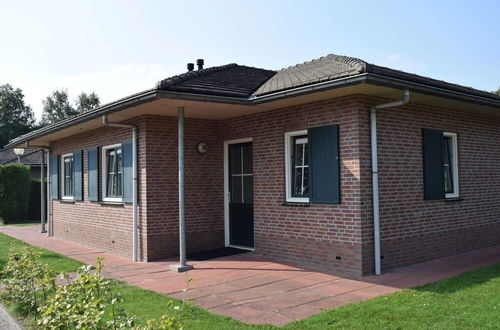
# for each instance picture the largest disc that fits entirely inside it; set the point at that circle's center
(23, 223)
(463, 281)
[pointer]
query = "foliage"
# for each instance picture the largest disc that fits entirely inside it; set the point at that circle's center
(26, 281)
(16, 118)
(56, 107)
(81, 304)
(85, 102)
(497, 91)
(15, 188)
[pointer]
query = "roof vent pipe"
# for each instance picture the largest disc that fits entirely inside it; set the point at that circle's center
(199, 63)
(190, 66)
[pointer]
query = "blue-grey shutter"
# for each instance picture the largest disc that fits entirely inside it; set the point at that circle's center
(127, 158)
(54, 177)
(433, 164)
(93, 173)
(324, 174)
(78, 175)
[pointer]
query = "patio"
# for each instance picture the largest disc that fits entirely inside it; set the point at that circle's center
(254, 289)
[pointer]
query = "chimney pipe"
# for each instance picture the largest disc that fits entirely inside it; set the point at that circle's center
(190, 66)
(199, 63)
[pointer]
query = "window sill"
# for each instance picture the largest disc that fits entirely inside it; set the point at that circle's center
(296, 204)
(453, 199)
(67, 200)
(111, 203)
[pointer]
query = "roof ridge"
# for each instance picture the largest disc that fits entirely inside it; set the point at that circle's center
(357, 64)
(171, 81)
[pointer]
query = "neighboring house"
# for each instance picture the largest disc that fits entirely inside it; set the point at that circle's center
(31, 157)
(281, 162)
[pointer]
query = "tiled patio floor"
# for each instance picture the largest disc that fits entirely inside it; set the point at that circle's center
(255, 289)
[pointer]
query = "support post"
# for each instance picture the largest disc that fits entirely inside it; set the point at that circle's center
(182, 266)
(43, 191)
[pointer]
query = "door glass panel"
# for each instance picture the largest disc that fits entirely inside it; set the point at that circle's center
(248, 189)
(235, 160)
(236, 192)
(247, 159)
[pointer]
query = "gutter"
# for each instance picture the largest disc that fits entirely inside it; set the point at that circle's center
(321, 86)
(375, 188)
(134, 176)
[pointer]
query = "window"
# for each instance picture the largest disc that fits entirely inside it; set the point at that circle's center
(67, 176)
(450, 164)
(112, 173)
(297, 166)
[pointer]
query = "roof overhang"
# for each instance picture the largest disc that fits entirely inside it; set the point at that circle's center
(165, 103)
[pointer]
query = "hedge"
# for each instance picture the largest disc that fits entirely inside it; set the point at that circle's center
(35, 198)
(15, 191)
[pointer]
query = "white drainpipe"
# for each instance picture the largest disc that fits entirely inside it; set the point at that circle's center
(376, 206)
(134, 185)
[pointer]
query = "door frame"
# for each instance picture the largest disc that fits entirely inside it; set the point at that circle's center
(226, 190)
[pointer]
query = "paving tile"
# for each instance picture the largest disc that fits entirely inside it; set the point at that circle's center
(255, 289)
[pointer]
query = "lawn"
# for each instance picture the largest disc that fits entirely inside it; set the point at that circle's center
(470, 300)
(56, 261)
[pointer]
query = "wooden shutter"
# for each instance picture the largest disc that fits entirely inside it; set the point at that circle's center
(433, 164)
(93, 174)
(127, 159)
(54, 177)
(324, 174)
(77, 175)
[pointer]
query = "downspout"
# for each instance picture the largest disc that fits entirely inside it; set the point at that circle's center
(49, 195)
(43, 191)
(376, 206)
(134, 175)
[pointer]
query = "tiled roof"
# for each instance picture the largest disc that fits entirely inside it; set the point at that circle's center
(228, 80)
(246, 82)
(31, 156)
(322, 69)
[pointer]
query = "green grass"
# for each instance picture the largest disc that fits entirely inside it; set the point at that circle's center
(56, 261)
(470, 300)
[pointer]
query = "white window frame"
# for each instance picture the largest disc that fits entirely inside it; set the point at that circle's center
(63, 176)
(288, 166)
(104, 174)
(454, 164)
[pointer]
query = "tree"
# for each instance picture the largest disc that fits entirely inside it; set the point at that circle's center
(497, 91)
(56, 107)
(85, 102)
(16, 118)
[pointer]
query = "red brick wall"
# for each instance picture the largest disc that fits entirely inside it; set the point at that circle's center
(414, 229)
(204, 186)
(99, 225)
(314, 235)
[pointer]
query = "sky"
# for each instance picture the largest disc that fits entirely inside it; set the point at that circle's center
(117, 48)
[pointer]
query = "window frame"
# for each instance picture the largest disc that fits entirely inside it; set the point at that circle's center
(104, 174)
(63, 177)
(289, 145)
(454, 164)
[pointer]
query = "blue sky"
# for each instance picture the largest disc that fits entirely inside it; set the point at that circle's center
(116, 48)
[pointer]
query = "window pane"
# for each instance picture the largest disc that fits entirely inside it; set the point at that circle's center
(300, 172)
(236, 189)
(447, 161)
(247, 159)
(248, 189)
(235, 160)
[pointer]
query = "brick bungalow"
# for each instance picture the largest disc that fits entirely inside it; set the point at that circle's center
(334, 164)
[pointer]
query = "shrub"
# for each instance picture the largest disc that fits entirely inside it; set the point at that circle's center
(15, 188)
(26, 281)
